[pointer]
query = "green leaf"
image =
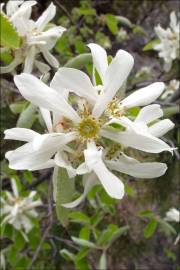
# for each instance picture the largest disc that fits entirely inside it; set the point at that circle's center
(82, 265)
(84, 233)
(67, 255)
(27, 117)
(79, 217)
(9, 36)
(79, 61)
(87, 11)
(111, 234)
(112, 23)
(124, 20)
(150, 228)
(103, 262)
(170, 111)
(63, 188)
(130, 190)
(82, 253)
(167, 227)
(150, 45)
(146, 213)
(83, 242)
(18, 106)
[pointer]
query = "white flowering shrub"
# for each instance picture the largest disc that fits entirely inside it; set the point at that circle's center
(89, 154)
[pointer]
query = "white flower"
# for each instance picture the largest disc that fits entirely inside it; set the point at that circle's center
(17, 210)
(168, 47)
(173, 215)
(37, 38)
(83, 113)
(170, 88)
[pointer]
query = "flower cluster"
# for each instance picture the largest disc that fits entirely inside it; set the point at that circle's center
(37, 36)
(168, 47)
(18, 211)
(88, 125)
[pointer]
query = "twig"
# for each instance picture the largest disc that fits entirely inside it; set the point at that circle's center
(64, 9)
(45, 234)
(42, 178)
(66, 241)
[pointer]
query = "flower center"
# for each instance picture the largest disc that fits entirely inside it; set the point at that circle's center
(88, 128)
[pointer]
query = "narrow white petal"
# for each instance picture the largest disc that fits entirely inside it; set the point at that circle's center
(29, 60)
(82, 169)
(135, 168)
(75, 81)
(144, 96)
(149, 113)
(46, 17)
(47, 118)
(61, 160)
(12, 7)
(143, 142)
(100, 61)
(14, 188)
(50, 58)
(161, 128)
(116, 74)
(23, 10)
(111, 183)
(20, 134)
(89, 183)
(46, 165)
(28, 157)
(41, 95)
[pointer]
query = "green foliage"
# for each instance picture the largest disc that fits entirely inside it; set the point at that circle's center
(63, 188)
(9, 36)
(112, 23)
(150, 228)
(150, 45)
(27, 116)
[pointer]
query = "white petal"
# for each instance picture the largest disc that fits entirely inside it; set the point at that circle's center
(116, 74)
(89, 183)
(149, 113)
(47, 118)
(29, 60)
(161, 128)
(53, 140)
(26, 157)
(173, 20)
(135, 168)
(14, 188)
(41, 95)
(100, 61)
(46, 165)
(111, 183)
(20, 134)
(82, 169)
(144, 96)
(46, 17)
(75, 81)
(50, 58)
(12, 7)
(61, 160)
(50, 36)
(143, 142)
(23, 10)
